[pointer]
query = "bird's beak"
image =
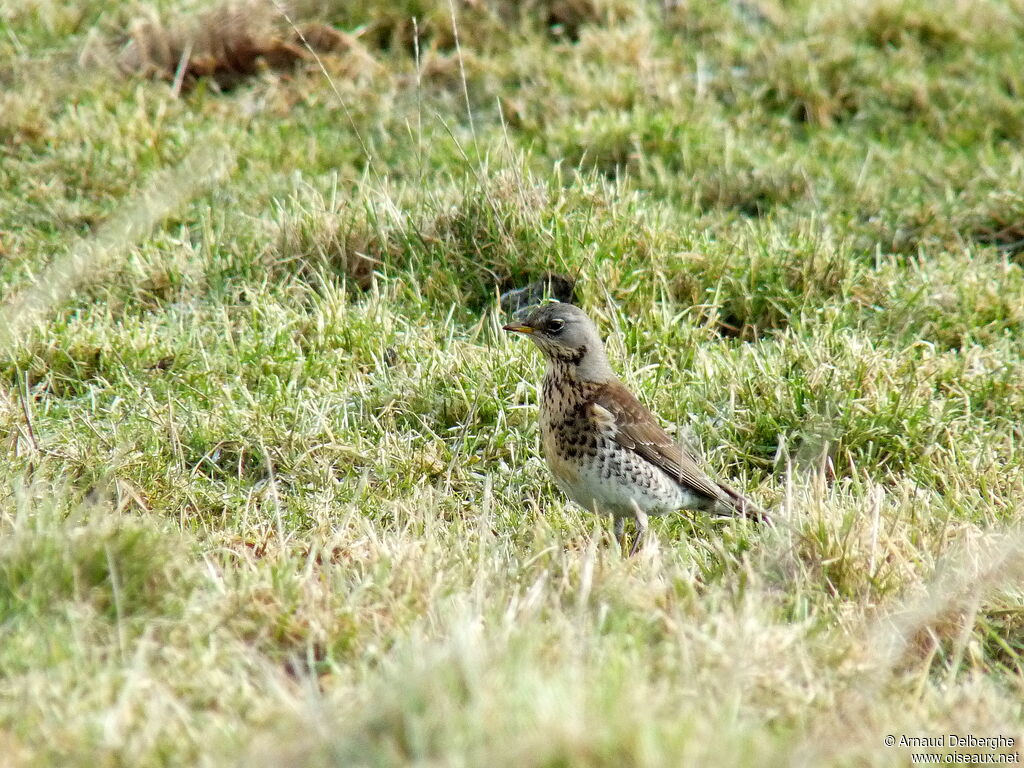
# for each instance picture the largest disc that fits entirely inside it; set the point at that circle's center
(518, 328)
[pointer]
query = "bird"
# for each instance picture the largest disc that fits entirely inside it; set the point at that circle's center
(607, 452)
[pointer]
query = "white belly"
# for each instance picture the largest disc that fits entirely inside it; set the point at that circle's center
(619, 483)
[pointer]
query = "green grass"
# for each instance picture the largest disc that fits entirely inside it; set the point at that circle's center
(271, 487)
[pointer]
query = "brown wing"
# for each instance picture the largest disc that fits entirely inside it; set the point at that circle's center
(636, 429)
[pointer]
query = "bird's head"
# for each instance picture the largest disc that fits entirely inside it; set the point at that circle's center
(567, 337)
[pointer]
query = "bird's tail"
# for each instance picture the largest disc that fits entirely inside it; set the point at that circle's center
(739, 504)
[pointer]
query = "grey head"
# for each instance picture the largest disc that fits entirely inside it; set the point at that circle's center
(568, 339)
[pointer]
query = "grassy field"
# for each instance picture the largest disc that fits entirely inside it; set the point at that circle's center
(270, 485)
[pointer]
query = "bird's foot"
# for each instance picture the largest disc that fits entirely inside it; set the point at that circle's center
(641, 533)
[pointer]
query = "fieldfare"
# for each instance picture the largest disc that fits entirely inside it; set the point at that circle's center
(607, 451)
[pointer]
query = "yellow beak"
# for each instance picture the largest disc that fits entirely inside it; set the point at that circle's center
(518, 328)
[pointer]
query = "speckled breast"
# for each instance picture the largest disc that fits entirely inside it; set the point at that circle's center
(591, 467)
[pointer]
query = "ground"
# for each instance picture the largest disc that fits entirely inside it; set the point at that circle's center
(270, 489)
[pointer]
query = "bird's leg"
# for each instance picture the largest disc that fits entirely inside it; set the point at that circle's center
(620, 531)
(641, 531)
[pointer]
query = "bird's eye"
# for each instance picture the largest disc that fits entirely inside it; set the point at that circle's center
(555, 325)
